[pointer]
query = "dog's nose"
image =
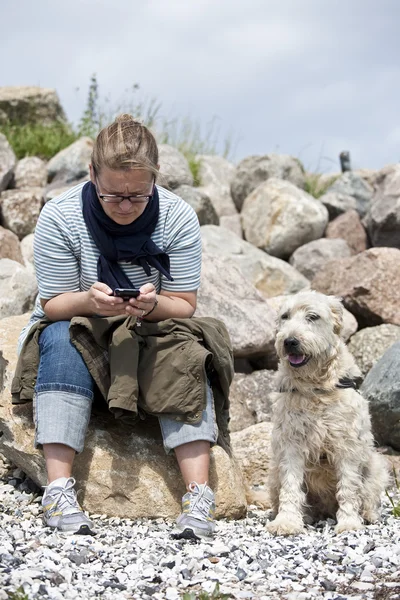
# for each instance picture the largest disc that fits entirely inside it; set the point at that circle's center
(291, 343)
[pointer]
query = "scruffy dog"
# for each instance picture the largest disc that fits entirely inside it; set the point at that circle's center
(323, 457)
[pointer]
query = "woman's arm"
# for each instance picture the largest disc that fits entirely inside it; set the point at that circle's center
(96, 301)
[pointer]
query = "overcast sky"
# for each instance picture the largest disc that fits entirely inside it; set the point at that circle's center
(303, 77)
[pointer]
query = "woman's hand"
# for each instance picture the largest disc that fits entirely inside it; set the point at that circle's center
(144, 303)
(101, 302)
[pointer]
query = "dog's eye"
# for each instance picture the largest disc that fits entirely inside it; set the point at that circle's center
(313, 317)
(285, 316)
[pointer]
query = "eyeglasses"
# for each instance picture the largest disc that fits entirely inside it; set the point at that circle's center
(116, 199)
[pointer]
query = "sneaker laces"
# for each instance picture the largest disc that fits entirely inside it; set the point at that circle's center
(200, 504)
(64, 497)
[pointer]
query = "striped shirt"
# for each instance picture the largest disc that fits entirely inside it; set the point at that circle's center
(66, 256)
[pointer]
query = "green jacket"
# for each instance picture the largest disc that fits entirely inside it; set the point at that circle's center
(157, 368)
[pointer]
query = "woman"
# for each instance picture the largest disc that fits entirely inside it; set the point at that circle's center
(120, 230)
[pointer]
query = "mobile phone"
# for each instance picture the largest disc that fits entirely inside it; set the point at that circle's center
(126, 293)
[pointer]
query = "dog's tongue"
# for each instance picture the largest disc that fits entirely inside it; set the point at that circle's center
(295, 359)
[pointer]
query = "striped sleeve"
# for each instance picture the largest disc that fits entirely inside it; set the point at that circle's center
(57, 268)
(183, 246)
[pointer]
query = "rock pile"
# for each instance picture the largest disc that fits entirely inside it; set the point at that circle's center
(264, 237)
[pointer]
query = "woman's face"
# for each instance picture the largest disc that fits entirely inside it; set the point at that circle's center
(135, 182)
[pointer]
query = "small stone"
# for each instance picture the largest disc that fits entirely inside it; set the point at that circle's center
(241, 574)
(329, 586)
(362, 586)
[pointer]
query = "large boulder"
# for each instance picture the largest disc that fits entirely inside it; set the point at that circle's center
(122, 472)
(383, 220)
(215, 175)
(8, 161)
(337, 204)
(252, 449)
(27, 250)
(381, 388)
(368, 345)
(71, 163)
(351, 184)
(278, 217)
(225, 294)
(18, 288)
(30, 172)
(348, 227)
(20, 209)
(10, 246)
(30, 104)
(368, 283)
(270, 275)
(174, 168)
(308, 259)
(200, 202)
(232, 223)
(253, 170)
(251, 397)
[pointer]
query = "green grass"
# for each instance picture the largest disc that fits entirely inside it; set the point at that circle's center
(395, 504)
(215, 595)
(19, 594)
(38, 140)
(317, 187)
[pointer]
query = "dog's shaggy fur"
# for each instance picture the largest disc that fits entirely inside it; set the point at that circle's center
(323, 458)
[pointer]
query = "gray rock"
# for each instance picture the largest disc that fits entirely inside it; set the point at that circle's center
(200, 202)
(30, 172)
(337, 204)
(30, 104)
(7, 162)
(270, 275)
(72, 163)
(251, 399)
(53, 192)
(10, 245)
(351, 184)
(232, 223)
(18, 288)
(308, 259)
(252, 448)
(383, 220)
(348, 227)
(215, 176)
(20, 209)
(225, 295)
(381, 388)
(27, 250)
(254, 170)
(368, 284)
(368, 345)
(278, 217)
(174, 168)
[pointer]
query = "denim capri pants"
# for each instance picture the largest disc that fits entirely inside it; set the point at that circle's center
(64, 396)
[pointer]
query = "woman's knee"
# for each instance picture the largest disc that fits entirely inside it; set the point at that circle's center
(56, 334)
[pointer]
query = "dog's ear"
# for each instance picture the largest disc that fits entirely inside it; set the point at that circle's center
(336, 307)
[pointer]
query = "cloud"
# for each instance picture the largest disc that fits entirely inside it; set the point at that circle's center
(305, 77)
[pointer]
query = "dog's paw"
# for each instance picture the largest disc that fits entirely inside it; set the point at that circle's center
(371, 516)
(285, 526)
(351, 524)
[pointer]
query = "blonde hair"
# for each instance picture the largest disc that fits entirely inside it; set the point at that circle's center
(125, 144)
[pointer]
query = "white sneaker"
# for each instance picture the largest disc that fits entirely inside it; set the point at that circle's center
(61, 509)
(198, 512)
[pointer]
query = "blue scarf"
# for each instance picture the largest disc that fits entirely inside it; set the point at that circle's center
(131, 243)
